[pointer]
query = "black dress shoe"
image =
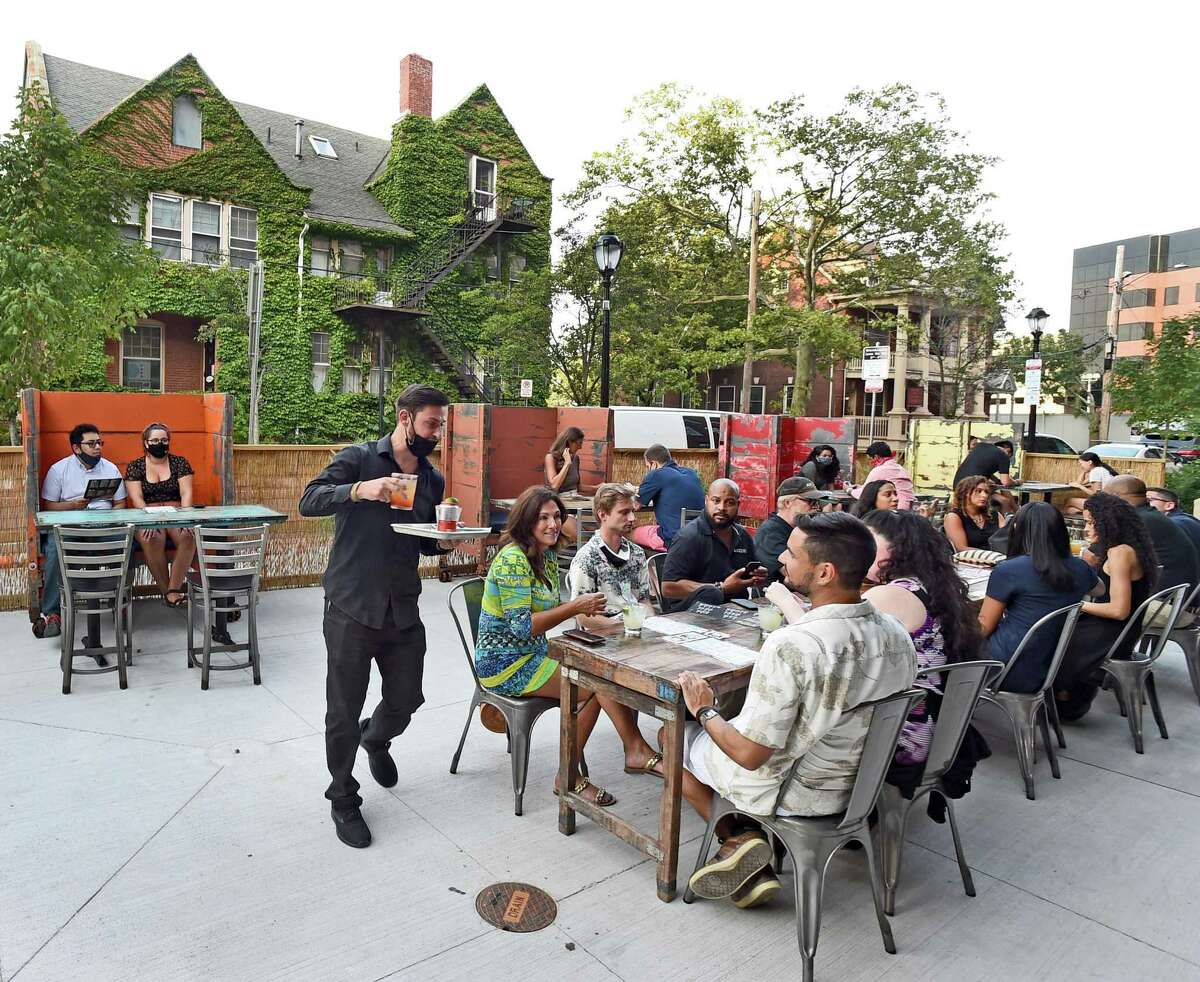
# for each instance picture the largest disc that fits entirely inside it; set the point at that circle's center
(221, 637)
(351, 828)
(383, 768)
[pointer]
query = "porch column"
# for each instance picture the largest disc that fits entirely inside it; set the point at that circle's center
(926, 361)
(900, 362)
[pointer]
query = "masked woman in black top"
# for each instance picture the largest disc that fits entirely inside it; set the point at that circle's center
(159, 477)
(823, 467)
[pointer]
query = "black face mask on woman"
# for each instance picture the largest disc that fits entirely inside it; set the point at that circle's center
(159, 450)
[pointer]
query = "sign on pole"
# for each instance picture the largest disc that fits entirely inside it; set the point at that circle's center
(526, 388)
(1033, 381)
(875, 362)
(873, 385)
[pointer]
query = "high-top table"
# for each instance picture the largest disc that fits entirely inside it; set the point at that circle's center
(643, 673)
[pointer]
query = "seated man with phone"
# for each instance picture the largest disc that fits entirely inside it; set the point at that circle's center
(711, 560)
(83, 480)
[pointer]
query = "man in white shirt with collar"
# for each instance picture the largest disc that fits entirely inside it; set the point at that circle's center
(63, 490)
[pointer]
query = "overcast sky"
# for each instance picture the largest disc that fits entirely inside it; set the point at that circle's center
(1087, 103)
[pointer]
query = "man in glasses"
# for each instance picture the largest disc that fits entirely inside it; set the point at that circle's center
(64, 489)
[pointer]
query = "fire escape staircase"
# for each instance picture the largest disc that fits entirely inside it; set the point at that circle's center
(407, 287)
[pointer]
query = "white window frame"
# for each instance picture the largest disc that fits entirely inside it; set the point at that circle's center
(221, 236)
(319, 368)
(732, 400)
(330, 268)
(353, 366)
(761, 391)
(789, 392)
(351, 249)
(162, 352)
(199, 144)
(487, 203)
(239, 255)
(389, 360)
(133, 221)
(182, 223)
(322, 147)
(516, 268)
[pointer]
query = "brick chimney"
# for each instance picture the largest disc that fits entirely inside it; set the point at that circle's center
(416, 85)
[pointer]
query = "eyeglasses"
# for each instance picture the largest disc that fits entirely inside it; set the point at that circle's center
(159, 443)
(91, 443)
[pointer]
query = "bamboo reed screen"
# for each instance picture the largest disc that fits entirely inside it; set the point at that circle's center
(14, 584)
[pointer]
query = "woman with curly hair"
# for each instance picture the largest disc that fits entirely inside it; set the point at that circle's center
(1120, 550)
(822, 467)
(876, 496)
(970, 523)
(919, 586)
(520, 606)
(1039, 577)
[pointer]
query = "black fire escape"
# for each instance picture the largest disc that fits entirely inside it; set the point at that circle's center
(397, 302)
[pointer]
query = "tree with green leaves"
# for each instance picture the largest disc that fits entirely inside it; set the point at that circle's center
(66, 275)
(1162, 390)
(1063, 367)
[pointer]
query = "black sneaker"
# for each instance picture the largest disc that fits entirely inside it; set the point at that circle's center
(100, 659)
(351, 828)
(383, 768)
(221, 637)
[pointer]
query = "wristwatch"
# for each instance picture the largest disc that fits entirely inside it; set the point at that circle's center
(706, 713)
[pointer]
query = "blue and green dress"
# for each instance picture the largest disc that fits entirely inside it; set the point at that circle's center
(508, 658)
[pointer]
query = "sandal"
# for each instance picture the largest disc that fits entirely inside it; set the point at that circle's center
(647, 768)
(601, 797)
(179, 601)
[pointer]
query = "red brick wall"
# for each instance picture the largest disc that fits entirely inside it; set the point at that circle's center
(416, 85)
(183, 355)
(774, 376)
(145, 138)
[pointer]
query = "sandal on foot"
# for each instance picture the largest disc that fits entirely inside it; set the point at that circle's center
(653, 761)
(601, 797)
(179, 601)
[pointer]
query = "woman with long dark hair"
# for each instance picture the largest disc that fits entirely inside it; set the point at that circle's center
(1093, 474)
(1120, 549)
(970, 523)
(1039, 577)
(562, 462)
(520, 606)
(919, 586)
(876, 496)
(822, 467)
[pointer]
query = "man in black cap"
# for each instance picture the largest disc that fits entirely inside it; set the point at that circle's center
(794, 497)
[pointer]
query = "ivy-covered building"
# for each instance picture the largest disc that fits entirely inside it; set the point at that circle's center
(383, 262)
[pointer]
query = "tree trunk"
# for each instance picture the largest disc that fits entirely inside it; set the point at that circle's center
(802, 380)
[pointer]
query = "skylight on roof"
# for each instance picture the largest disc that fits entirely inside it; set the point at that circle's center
(322, 147)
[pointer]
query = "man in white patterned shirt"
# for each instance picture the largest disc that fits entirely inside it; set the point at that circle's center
(807, 682)
(609, 562)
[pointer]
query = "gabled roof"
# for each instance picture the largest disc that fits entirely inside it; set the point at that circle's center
(83, 94)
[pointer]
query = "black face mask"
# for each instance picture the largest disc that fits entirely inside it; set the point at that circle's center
(159, 450)
(420, 446)
(88, 460)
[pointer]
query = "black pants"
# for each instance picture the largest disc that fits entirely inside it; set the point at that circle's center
(400, 654)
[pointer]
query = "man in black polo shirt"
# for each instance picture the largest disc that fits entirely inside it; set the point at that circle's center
(707, 560)
(990, 460)
(371, 591)
(795, 497)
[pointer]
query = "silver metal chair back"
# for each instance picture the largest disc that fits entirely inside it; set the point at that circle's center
(520, 713)
(1133, 678)
(586, 525)
(657, 561)
(687, 514)
(883, 734)
(1188, 638)
(94, 566)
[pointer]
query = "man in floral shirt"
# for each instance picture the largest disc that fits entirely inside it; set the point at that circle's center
(608, 562)
(807, 682)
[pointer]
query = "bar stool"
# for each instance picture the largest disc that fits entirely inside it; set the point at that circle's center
(230, 562)
(94, 565)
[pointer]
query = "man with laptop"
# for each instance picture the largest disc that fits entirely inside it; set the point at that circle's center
(84, 480)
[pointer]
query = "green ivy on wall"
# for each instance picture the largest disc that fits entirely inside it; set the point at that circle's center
(424, 189)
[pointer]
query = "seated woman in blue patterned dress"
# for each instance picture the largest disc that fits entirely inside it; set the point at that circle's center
(520, 605)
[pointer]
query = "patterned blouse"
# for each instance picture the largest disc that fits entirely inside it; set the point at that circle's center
(596, 570)
(508, 657)
(917, 732)
(157, 492)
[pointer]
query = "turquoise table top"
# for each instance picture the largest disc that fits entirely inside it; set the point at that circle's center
(141, 518)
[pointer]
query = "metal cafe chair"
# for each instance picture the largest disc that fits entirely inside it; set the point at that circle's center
(812, 842)
(1027, 710)
(1133, 678)
(1188, 638)
(962, 683)
(94, 565)
(687, 514)
(520, 714)
(230, 561)
(658, 560)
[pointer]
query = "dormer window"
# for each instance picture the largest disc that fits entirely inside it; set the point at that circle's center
(185, 123)
(322, 147)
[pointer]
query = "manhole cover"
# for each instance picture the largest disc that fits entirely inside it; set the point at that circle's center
(516, 907)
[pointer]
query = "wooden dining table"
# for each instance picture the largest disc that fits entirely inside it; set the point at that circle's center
(643, 673)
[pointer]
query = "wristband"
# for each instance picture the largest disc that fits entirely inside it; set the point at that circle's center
(354, 490)
(706, 713)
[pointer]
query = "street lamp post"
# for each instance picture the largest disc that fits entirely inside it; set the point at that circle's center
(1036, 319)
(608, 250)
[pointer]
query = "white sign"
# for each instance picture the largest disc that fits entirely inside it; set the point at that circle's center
(873, 385)
(875, 358)
(526, 388)
(1033, 380)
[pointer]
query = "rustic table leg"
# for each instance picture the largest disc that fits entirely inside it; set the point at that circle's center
(672, 797)
(568, 751)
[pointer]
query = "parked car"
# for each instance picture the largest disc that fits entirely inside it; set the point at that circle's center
(637, 427)
(1045, 443)
(1182, 445)
(1134, 451)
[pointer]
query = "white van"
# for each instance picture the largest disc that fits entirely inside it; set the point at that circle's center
(637, 427)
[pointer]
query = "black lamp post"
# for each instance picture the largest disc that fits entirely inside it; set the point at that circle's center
(1036, 319)
(608, 251)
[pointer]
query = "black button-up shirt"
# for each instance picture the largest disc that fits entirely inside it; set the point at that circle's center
(370, 566)
(697, 554)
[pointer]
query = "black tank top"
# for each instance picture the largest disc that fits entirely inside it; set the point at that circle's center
(977, 538)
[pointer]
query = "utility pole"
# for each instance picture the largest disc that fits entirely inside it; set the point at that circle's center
(751, 302)
(254, 296)
(1110, 346)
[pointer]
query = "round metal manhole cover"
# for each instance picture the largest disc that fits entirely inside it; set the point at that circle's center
(516, 907)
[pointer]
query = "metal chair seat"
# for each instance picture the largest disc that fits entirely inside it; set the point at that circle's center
(1188, 638)
(228, 585)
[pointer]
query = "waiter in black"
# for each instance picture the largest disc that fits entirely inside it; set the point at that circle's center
(371, 591)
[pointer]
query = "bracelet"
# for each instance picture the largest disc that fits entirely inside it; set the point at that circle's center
(706, 713)
(354, 490)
